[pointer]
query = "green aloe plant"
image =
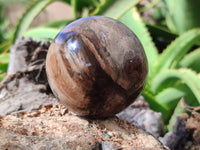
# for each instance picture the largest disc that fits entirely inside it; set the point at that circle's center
(173, 74)
(182, 15)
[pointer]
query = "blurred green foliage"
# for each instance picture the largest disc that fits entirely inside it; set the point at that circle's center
(171, 44)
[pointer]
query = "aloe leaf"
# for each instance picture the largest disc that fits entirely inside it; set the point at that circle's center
(4, 57)
(84, 3)
(74, 8)
(3, 67)
(2, 76)
(187, 76)
(4, 60)
(33, 10)
(103, 5)
(176, 50)
(149, 6)
(114, 9)
(161, 36)
(42, 33)
(184, 14)
(91, 4)
(171, 96)
(178, 110)
(160, 31)
(66, 1)
(4, 47)
(192, 60)
(153, 103)
(133, 20)
(85, 12)
(170, 23)
(58, 23)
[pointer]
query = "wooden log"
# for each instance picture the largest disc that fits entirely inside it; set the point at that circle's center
(32, 119)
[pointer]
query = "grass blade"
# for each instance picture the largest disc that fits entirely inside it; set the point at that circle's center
(31, 12)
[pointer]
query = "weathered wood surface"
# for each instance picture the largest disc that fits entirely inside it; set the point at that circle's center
(64, 130)
(31, 117)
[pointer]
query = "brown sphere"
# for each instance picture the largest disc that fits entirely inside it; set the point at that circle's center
(96, 66)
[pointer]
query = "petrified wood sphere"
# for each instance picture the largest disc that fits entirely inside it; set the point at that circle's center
(96, 66)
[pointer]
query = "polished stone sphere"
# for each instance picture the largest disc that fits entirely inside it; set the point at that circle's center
(96, 66)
